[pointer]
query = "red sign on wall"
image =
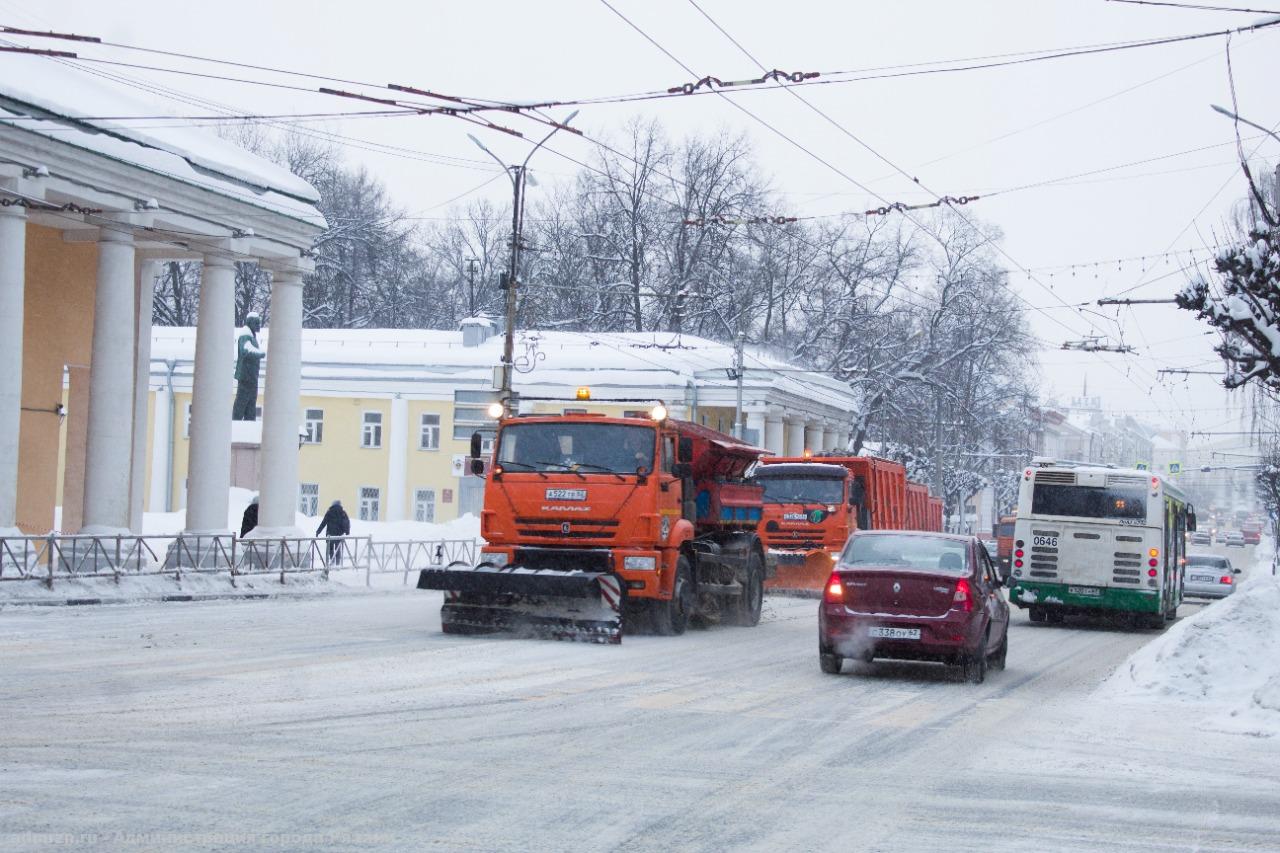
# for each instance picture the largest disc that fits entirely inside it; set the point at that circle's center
(446, 496)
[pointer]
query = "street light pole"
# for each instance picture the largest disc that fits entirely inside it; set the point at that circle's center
(518, 176)
(737, 369)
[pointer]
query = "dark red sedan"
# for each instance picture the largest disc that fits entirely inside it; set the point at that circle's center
(914, 595)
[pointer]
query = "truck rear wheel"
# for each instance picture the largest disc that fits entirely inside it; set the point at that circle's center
(745, 609)
(672, 617)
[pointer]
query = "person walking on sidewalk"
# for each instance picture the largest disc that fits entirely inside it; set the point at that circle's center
(336, 524)
(250, 518)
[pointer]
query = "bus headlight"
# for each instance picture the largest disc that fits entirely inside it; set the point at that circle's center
(640, 564)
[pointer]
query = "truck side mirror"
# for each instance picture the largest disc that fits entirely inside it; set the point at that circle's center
(684, 450)
(682, 470)
(476, 443)
(477, 466)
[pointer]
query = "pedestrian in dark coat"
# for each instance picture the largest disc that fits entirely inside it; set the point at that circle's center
(336, 524)
(250, 519)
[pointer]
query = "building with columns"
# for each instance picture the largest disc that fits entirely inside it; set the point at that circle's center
(387, 414)
(89, 201)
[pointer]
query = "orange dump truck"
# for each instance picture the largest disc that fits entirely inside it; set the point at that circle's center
(594, 522)
(812, 504)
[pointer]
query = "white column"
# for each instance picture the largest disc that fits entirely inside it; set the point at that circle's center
(773, 433)
(141, 390)
(278, 492)
(813, 436)
(209, 450)
(161, 448)
(828, 437)
(13, 252)
(109, 438)
(397, 457)
(755, 421)
(795, 437)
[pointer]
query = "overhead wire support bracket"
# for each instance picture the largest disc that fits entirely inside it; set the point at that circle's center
(716, 83)
(1096, 345)
(900, 207)
(1137, 301)
(703, 221)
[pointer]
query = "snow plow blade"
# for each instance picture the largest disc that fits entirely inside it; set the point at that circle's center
(576, 605)
(800, 575)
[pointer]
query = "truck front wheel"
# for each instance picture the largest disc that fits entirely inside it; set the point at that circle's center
(672, 617)
(745, 609)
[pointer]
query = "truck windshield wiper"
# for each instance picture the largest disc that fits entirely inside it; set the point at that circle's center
(526, 465)
(603, 469)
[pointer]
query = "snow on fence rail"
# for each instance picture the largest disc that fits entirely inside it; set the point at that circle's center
(48, 558)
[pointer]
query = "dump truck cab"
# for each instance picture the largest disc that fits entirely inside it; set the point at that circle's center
(592, 519)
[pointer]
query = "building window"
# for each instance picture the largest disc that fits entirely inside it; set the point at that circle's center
(429, 432)
(371, 434)
(313, 426)
(186, 423)
(636, 413)
(309, 498)
(424, 505)
(370, 502)
(575, 411)
(470, 414)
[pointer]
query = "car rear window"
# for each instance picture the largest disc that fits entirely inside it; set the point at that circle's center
(915, 553)
(1202, 560)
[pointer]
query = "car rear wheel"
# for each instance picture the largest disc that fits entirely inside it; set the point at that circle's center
(1037, 614)
(975, 665)
(672, 617)
(998, 659)
(830, 664)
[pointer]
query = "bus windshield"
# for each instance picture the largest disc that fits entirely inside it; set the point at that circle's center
(790, 490)
(577, 446)
(1117, 503)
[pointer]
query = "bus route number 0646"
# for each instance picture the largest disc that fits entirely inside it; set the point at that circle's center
(1050, 541)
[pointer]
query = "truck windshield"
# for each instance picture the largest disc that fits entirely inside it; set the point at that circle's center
(813, 490)
(577, 446)
(1110, 502)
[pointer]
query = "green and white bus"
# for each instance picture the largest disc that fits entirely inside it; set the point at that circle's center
(1095, 539)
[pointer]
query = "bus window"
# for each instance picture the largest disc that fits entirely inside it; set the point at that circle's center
(1114, 502)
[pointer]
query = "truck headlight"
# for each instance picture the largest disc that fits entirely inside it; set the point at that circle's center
(640, 564)
(497, 559)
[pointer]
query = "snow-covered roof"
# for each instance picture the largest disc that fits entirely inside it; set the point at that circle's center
(623, 364)
(63, 101)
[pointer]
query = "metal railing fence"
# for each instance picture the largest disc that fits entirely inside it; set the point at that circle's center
(56, 557)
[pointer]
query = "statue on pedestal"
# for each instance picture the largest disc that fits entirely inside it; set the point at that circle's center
(249, 355)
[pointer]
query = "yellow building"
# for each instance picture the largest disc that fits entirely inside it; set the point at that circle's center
(386, 415)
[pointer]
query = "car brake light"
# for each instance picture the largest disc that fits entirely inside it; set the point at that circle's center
(962, 596)
(1225, 579)
(834, 593)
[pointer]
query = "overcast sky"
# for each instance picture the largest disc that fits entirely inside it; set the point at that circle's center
(966, 133)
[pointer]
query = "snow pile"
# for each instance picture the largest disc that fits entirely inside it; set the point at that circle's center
(1225, 659)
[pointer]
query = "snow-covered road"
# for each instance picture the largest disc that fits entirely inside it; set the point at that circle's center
(352, 723)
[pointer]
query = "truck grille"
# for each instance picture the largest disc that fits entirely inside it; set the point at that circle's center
(1044, 558)
(562, 559)
(579, 528)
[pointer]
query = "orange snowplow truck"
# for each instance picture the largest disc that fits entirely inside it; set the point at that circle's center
(594, 522)
(812, 504)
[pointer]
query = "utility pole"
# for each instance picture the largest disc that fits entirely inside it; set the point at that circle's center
(518, 175)
(471, 290)
(737, 370)
(937, 450)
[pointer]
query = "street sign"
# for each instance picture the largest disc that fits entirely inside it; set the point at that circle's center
(1175, 467)
(1142, 466)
